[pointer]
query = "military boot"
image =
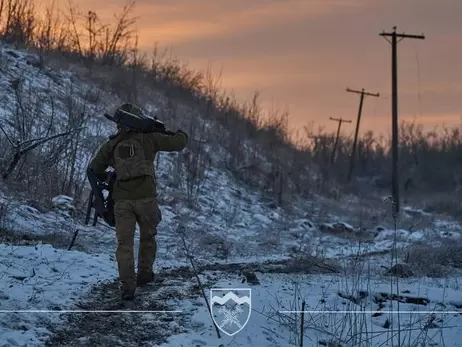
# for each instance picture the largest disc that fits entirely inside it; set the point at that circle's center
(128, 292)
(144, 278)
(128, 295)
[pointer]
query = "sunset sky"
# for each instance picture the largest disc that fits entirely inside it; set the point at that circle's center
(303, 54)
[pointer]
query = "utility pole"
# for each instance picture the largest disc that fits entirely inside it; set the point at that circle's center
(394, 106)
(353, 152)
(340, 121)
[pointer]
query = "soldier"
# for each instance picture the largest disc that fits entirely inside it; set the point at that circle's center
(132, 154)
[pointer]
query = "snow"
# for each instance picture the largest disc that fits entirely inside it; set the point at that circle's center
(388, 234)
(272, 321)
(410, 209)
(227, 224)
(48, 278)
(40, 277)
(63, 202)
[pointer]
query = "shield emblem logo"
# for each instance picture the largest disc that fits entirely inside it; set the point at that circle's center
(230, 308)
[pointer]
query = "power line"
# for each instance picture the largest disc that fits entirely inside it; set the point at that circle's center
(340, 121)
(353, 151)
(395, 39)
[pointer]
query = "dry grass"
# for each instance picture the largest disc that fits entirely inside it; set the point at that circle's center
(435, 258)
(259, 148)
(448, 204)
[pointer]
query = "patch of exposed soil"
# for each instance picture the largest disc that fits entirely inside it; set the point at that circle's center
(125, 328)
(146, 329)
(28, 239)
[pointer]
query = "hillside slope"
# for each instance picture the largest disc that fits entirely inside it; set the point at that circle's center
(328, 253)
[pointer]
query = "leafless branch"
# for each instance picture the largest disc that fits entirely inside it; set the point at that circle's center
(14, 160)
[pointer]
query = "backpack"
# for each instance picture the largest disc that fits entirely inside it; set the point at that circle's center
(129, 162)
(130, 158)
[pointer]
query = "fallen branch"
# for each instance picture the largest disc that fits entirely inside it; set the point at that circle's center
(31, 144)
(7, 137)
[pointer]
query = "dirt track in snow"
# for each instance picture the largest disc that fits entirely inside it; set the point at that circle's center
(150, 329)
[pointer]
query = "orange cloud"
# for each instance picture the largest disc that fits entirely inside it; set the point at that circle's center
(195, 20)
(304, 53)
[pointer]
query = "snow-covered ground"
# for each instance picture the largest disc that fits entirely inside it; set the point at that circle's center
(324, 257)
(39, 281)
(36, 277)
(332, 317)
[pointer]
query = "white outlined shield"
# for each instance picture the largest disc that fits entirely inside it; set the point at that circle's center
(230, 308)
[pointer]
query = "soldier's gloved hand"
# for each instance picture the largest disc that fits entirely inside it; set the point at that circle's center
(182, 132)
(168, 132)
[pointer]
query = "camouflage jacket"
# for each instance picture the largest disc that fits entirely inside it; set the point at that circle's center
(135, 181)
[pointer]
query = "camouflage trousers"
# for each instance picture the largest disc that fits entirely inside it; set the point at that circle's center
(127, 213)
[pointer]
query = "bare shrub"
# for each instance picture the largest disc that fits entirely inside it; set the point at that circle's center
(258, 148)
(449, 203)
(436, 259)
(4, 212)
(40, 139)
(347, 312)
(196, 161)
